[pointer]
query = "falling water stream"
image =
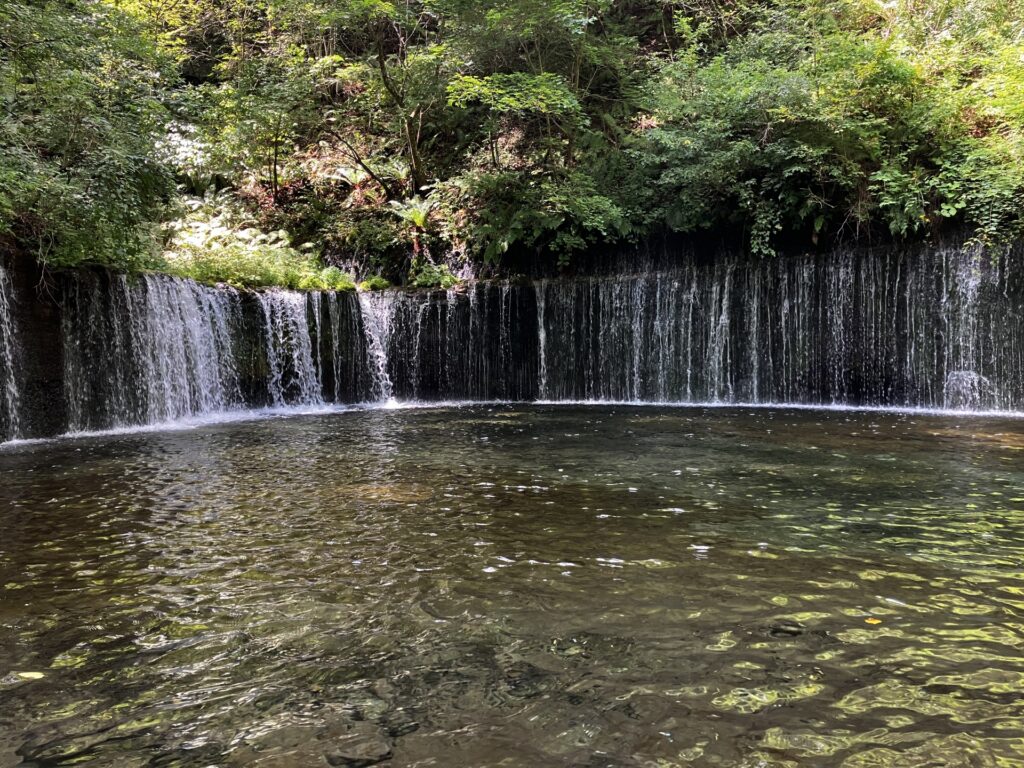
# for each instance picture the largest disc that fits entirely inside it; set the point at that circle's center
(149, 350)
(9, 394)
(931, 333)
(378, 315)
(292, 375)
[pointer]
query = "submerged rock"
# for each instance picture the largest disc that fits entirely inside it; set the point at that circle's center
(786, 628)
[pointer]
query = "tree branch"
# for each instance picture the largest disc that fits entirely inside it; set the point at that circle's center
(354, 154)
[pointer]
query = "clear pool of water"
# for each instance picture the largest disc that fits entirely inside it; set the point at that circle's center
(518, 586)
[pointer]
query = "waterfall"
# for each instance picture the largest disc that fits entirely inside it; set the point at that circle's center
(316, 311)
(936, 329)
(344, 347)
(965, 385)
(474, 343)
(156, 349)
(146, 350)
(293, 378)
(9, 390)
(940, 328)
(185, 348)
(542, 341)
(378, 314)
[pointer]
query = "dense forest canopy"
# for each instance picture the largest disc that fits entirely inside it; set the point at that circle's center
(271, 141)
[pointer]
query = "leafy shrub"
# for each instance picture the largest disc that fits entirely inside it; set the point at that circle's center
(372, 238)
(429, 275)
(812, 125)
(559, 214)
(375, 283)
(501, 128)
(215, 243)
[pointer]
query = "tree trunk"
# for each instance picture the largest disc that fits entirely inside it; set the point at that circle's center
(419, 177)
(412, 132)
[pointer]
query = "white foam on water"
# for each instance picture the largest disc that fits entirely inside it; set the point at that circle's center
(823, 407)
(300, 411)
(194, 423)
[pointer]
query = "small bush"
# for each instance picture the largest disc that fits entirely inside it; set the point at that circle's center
(214, 243)
(336, 280)
(375, 283)
(432, 276)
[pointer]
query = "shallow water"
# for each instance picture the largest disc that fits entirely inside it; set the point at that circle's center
(516, 586)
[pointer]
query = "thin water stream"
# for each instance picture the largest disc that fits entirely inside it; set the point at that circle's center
(518, 586)
(10, 394)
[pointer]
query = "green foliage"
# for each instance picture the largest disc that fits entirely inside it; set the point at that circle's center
(427, 275)
(252, 123)
(216, 242)
(80, 117)
(560, 213)
(391, 133)
(415, 212)
(375, 283)
(812, 124)
(518, 92)
(372, 239)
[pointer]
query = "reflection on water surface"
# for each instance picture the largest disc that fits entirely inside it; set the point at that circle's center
(518, 587)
